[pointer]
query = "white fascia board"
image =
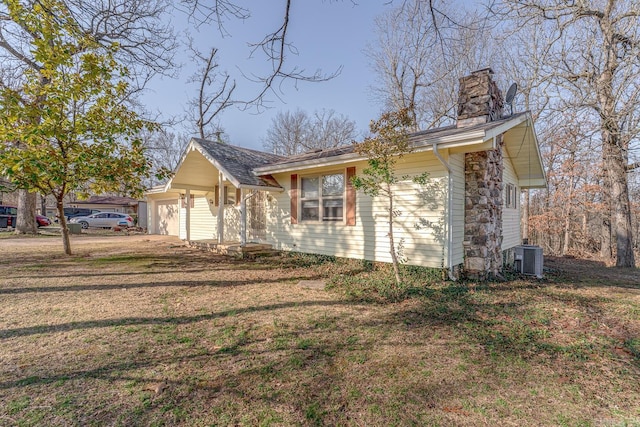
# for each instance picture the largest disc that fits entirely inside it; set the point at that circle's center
(533, 183)
(162, 195)
(157, 189)
(217, 165)
(188, 149)
(180, 186)
(260, 188)
(194, 146)
(537, 147)
(420, 145)
(308, 164)
(499, 130)
(527, 117)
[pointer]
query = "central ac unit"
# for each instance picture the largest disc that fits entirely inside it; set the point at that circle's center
(529, 260)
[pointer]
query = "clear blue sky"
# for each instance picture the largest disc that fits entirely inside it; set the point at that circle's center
(328, 35)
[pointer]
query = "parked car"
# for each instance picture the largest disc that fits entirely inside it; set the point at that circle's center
(8, 216)
(73, 212)
(42, 221)
(104, 220)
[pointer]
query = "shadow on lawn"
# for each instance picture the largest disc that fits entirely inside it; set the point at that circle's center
(182, 283)
(300, 378)
(306, 375)
(131, 321)
(81, 275)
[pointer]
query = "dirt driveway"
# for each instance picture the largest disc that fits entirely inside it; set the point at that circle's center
(83, 239)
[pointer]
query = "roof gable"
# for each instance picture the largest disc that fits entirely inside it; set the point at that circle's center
(246, 168)
(235, 163)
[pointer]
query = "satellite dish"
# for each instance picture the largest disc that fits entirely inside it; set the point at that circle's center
(511, 93)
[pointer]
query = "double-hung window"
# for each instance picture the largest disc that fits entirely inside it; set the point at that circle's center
(322, 197)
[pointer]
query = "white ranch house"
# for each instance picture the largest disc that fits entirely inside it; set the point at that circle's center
(467, 217)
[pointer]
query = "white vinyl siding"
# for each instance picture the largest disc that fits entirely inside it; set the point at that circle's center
(204, 225)
(510, 215)
(165, 217)
(456, 163)
(204, 219)
(368, 238)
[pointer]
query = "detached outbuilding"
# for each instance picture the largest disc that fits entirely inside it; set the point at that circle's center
(467, 217)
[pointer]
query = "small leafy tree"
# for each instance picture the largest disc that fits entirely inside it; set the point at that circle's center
(390, 141)
(68, 128)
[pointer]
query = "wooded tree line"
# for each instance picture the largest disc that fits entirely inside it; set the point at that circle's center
(578, 67)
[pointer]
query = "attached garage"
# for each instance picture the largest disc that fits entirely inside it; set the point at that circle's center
(166, 217)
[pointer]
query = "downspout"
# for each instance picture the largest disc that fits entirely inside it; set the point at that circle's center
(449, 212)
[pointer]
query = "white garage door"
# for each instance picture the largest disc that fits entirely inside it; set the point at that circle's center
(167, 216)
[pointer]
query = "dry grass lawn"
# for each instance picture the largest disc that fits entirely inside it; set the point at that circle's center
(140, 330)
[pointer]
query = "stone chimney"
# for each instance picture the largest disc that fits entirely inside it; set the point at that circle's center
(479, 99)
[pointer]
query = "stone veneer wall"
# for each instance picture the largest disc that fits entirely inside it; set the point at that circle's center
(483, 213)
(479, 99)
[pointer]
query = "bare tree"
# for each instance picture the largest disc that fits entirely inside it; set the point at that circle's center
(420, 53)
(296, 132)
(594, 65)
(288, 133)
(275, 46)
(165, 150)
(329, 130)
(214, 93)
(533, 92)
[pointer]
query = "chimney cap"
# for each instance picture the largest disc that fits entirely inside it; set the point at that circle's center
(486, 70)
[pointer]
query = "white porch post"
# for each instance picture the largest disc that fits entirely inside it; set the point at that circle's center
(243, 218)
(151, 216)
(220, 208)
(188, 217)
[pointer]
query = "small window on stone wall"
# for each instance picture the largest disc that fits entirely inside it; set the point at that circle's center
(510, 199)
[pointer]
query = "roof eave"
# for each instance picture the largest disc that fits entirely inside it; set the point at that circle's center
(261, 188)
(421, 143)
(195, 146)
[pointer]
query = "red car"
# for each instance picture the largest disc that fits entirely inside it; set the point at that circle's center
(42, 221)
(9, 214)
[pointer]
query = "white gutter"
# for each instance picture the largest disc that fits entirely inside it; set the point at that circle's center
(449, 211)
(420, 143)
(261, 188)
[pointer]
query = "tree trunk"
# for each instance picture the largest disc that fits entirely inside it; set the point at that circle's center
(26, 220)
(621, 206)
(606, 242)
(43, 204)
(392, 248)
(606, 247)
(66, 243)
(567, 219)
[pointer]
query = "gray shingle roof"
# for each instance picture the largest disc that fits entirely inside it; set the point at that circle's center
(240, 162)
(417, 138)
(109, 200)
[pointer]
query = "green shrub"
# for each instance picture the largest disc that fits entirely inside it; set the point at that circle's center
(376, 282)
